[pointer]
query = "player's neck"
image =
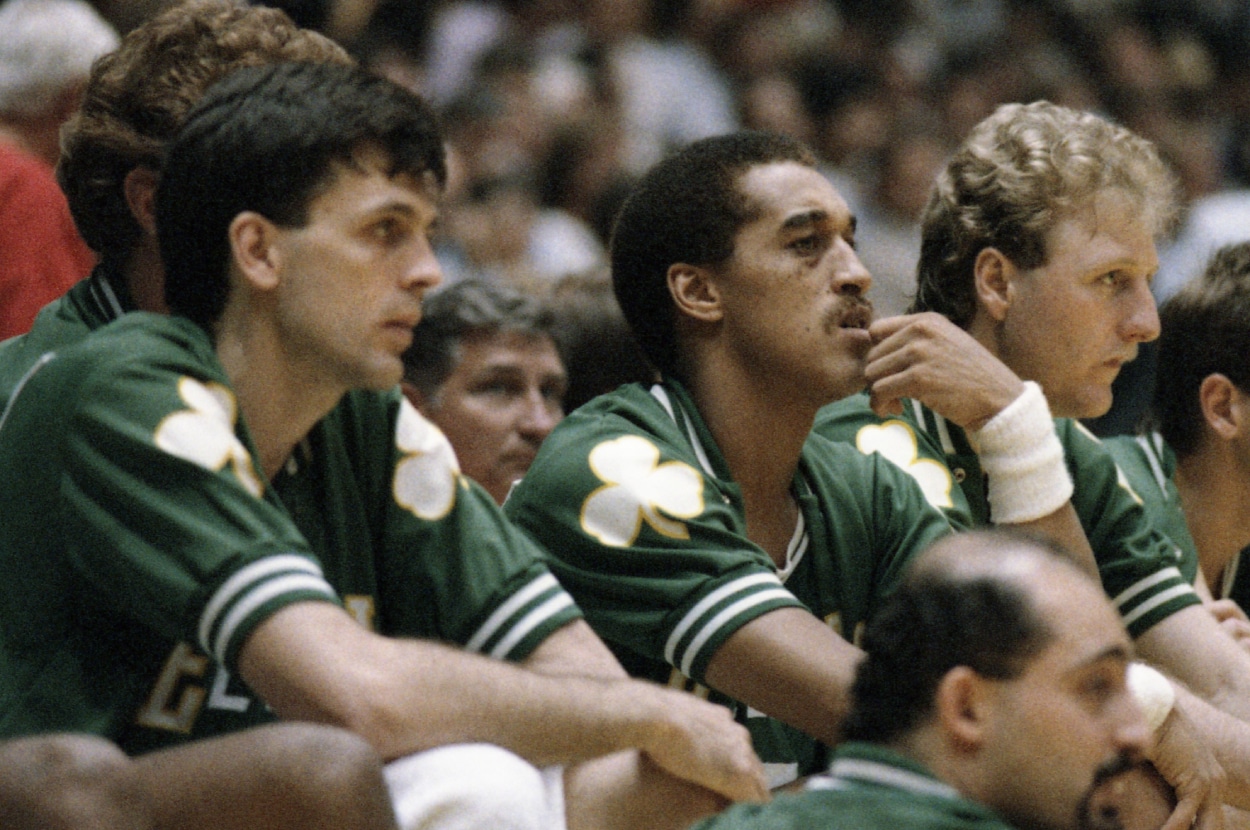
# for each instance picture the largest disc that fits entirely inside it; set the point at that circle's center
(760, 432)
(1216, 499)
(280, 402)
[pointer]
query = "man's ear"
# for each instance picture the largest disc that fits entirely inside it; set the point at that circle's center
(139, 188)
(993, 274)
(1223, 406)
(962, 706)
(256, 248)
(695, 292)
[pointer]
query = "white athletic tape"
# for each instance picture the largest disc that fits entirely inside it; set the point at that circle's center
(1153, 693)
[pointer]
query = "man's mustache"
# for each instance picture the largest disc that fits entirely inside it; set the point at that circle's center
(1106, 817)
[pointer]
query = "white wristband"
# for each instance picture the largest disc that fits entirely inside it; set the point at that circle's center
(1153, 693)
(1023, 460)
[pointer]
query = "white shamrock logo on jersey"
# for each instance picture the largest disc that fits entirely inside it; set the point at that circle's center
(425, 478)
(636, 488)
(204, 433)
(896, 441)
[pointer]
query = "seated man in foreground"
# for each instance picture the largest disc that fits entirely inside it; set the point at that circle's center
(992, 695)
(254, 523)
(713, 542)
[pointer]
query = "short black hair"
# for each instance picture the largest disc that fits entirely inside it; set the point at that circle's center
(1204, 330)
(938, 619)
(687, 208)
(269, 139)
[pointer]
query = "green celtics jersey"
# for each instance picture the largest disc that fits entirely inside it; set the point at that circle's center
(89, 305)
(647, 530)
(1146, 575)
(142, 546)
(867, 788)
(1150, 465)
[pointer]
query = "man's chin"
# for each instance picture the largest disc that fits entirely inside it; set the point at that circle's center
(1137, 799)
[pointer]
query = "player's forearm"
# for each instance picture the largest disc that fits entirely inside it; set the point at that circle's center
(1190, 647)
(792, 667)
(1228, 738)
(1063, 527)
(312, 662)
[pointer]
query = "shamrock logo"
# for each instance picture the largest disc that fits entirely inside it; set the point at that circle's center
(636, 488)
(425, 478)
(204, 433)
(896, 441)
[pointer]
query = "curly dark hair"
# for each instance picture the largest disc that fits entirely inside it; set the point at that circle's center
(138, 96)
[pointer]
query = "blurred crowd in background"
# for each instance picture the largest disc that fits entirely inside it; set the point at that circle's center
(554, 106)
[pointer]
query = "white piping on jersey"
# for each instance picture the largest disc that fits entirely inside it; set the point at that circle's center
(108, 297)
(1230, 576)
(875, 772)
(777, 773)
(258, 597)
(795, 550)
(944, 433)
(662, 396)
(243, 581)
(493, 623)
(529, 622)
(1140, 585)
(1153, 451)
(1157, 600)
(44, 360)
(713, 625)
(701, 607)
(798, 541)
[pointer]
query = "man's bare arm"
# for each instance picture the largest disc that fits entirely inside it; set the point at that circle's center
(791, 666)
(1191, 647)
(311, 661)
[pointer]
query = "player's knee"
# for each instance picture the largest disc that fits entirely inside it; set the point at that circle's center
(471, 786)
(55, 781)
(338, 774)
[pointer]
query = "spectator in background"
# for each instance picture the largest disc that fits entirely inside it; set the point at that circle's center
(888, 230)
(483, 367)
(46, 50)
(595, 341)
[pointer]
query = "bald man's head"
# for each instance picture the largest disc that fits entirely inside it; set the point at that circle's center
(983, 599)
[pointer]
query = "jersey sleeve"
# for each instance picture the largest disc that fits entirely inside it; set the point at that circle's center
(654, 550)
(1147, 466)
(454, 567)
(163, 509)
(1144, 572)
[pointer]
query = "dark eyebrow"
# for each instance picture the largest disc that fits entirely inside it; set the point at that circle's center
(800, 220)
(1115, 652)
